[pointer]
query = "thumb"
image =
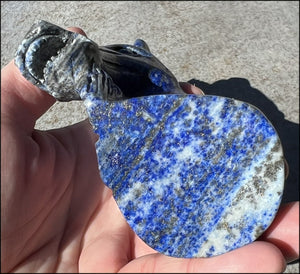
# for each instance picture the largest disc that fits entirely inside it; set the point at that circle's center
(266, 256)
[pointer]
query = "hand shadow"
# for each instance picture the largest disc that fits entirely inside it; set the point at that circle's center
(240, 89)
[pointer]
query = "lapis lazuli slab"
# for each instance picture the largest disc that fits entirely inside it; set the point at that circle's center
(193, 176)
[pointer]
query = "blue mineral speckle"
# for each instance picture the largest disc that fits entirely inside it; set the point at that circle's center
(160, 79)
(183, 170)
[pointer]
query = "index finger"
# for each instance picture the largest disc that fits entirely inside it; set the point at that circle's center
(23, 103)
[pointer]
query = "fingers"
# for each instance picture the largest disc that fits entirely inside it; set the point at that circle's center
(78, 30)
(260, 257)
(191, 89)
(284, 231)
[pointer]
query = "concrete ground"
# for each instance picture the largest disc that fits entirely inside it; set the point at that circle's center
(241, 49)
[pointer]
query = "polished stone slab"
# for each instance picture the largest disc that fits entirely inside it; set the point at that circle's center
(194, 176)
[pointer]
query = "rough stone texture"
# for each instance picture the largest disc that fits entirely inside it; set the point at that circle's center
(250, 46)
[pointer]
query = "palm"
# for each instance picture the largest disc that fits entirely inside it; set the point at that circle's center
(65, 207)
(58, 214)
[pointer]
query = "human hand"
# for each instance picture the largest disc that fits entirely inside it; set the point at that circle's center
(58, 216)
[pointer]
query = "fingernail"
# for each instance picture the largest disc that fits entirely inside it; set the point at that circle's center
(191, 89)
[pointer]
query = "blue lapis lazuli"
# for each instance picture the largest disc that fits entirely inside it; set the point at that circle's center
(194, 176)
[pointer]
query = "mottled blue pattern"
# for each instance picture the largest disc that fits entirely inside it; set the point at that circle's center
(193, 176)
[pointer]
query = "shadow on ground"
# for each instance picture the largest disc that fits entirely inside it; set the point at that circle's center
(240, 89)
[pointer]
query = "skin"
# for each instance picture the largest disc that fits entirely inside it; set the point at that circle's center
(58, 216)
